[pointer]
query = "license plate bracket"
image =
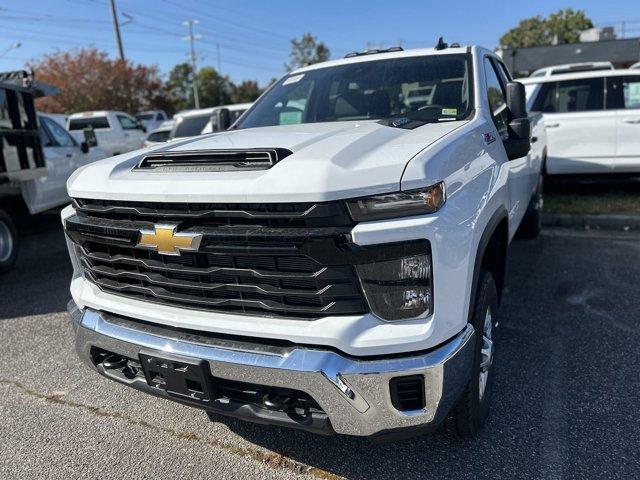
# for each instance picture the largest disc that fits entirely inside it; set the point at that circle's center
(179, 376)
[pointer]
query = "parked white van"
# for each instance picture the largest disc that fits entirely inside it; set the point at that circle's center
(592, 120)
(116, 132)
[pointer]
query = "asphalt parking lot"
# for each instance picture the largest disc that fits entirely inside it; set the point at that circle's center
(566, 398)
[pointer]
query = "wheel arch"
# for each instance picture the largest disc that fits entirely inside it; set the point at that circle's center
(491, 254)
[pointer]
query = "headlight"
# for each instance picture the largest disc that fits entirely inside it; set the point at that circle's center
(398, 289)
(401, 204)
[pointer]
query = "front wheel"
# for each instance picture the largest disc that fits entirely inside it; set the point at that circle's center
(8, 242)
(472, 409)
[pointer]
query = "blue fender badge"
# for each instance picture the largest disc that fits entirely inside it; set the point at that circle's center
(488, 138)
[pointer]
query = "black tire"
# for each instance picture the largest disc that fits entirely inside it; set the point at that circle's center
(8, 242)
(472, 409)
(531, 224)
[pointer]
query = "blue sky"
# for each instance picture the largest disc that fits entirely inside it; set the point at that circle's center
(253, 36)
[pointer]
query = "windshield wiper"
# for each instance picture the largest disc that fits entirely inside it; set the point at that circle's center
(404, 122)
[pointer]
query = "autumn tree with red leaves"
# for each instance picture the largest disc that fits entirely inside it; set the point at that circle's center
(89, 80)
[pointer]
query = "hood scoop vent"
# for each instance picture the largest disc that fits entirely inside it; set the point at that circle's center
(212, 160)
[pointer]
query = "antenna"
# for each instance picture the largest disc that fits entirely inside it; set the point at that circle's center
(441, 45)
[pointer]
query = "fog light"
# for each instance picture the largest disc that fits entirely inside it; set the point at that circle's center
(398, 289)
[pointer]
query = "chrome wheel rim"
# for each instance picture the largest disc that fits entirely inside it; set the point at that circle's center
(486, 353)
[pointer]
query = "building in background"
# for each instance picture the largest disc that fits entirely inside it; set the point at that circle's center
(600, 46)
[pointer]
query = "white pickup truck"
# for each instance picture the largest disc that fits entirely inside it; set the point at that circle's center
(116, 132)
(333, 263)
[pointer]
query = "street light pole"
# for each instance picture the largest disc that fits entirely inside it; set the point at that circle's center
(116, 28)
(11, 47)
(191, 37)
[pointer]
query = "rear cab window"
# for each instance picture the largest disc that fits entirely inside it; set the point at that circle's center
(89, 122)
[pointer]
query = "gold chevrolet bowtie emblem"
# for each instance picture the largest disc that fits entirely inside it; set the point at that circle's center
(166, 241)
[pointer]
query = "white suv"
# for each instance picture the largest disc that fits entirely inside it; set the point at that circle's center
(592, 120)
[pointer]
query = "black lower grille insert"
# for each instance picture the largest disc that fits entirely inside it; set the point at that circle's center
(407, 393)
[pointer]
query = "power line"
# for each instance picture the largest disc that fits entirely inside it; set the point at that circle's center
(191, 37)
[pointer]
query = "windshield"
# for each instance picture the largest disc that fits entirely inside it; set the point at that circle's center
(191, 126)
(370, 90)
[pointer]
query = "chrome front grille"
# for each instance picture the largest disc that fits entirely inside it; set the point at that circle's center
(247, 263)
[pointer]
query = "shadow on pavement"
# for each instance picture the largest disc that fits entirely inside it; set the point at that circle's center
(39, 282)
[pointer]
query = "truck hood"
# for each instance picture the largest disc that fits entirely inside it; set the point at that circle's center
(329, 161)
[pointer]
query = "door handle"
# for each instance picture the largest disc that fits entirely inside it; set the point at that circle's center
(552, 125)
(534, 139)
(633, 122)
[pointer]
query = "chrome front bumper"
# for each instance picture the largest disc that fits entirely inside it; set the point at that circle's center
(354, 392)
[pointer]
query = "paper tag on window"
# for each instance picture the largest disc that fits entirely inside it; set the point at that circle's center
(449, 111)
(290, 118)
(294, 79)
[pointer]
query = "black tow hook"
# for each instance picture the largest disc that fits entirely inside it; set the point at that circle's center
(114, 361)
(275, 401)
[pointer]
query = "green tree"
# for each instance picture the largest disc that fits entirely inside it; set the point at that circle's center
(214, 89)
(564, 26)
(247, 91)
(179, 86)
(306, 51)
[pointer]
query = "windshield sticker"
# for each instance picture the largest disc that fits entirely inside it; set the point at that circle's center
(294, 79)
(449, 111)
(290, 118)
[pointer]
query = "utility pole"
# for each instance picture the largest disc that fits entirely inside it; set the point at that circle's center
(116, 28)
(192, 53)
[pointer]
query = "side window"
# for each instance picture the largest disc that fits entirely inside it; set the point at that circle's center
(127, 123)
(546, 99)
(580, 95)
(59, 134)
(631, 91)
(45, 138)
(503, 71)
(496, 97)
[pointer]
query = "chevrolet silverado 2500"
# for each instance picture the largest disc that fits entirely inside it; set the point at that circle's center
(333, 263)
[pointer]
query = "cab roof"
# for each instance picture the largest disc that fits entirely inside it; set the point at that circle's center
(416, 52)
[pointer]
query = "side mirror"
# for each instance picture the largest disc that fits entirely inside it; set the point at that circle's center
(224, 119)
(90, 137)
(84, 147)
(518, 142)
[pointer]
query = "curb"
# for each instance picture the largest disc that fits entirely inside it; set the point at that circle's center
(604, 222)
